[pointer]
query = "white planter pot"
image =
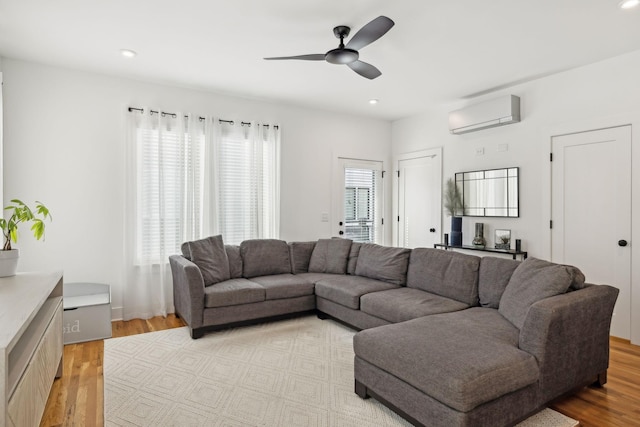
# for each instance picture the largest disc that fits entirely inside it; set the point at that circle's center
(9, 262)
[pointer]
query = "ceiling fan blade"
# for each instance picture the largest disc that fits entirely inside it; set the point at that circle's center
(370, 33)
(312, 57)
(365, 70)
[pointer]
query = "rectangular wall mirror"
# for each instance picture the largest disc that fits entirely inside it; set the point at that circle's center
(491, 192)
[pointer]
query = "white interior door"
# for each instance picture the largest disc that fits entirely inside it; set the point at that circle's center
(591, 211)
(419, 200)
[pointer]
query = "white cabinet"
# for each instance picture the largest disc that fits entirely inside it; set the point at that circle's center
(30, 345)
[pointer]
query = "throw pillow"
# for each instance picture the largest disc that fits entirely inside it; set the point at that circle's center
(263, 257)
(300, 253)
(383, 263)
(235, 260)
(211, 258)
(493, 278)
(330, 256)
(532, 281)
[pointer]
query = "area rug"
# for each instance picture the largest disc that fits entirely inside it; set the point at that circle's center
(296, 372)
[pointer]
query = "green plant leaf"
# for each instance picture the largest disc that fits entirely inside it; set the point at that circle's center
(37, 228)
(22, 213)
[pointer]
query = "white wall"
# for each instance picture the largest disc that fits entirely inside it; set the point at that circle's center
(64, 146)
(600, 95)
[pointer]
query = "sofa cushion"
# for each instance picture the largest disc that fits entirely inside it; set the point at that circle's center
(300, 253)
(347, 290)
(462, 359)
(398, 305)
(383, 263)
(279, 286)
(316, 277)
(330, 256)
(532, 281)
(446, 273)
(211, 258)
(493, 278)
(233, 292)
(235, 260)
(353, 257)
(261, 257)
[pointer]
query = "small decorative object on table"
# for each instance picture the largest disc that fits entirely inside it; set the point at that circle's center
(503, 239)
(478, 240)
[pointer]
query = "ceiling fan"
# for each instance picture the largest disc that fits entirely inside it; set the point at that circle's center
(348, 54)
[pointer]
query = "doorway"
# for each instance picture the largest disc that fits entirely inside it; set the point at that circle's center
(359, 201)
(591, 211)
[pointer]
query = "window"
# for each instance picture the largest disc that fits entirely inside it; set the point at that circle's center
(197, 177)
(170, 186)
(247, 173)
(362, 195)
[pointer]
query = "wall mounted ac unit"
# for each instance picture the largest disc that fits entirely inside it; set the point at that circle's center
(496, 112)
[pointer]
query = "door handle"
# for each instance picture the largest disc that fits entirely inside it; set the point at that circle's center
(341, 232)
(622, 243)
(432, 230)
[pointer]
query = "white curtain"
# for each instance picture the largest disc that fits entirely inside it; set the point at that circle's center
(165, 187)
(246, 181)
(187, 178)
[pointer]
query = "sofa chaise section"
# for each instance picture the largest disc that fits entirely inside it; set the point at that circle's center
(546, 335)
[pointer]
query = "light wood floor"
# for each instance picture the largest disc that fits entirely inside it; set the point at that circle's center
(77, 398)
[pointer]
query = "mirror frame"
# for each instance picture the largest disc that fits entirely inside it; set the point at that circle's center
(513, 172)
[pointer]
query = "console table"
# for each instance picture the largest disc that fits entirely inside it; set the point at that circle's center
(510, 252)
(30, 345)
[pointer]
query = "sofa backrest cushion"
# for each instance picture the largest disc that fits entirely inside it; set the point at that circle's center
(330, 256)
(263, 257)
(493, 278)
(300, 253)
(384, 263)
(532, 281)
(353, 257)
(446, 273)
(235, 260)
(211, 258)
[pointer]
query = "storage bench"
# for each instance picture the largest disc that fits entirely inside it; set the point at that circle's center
(87, 312)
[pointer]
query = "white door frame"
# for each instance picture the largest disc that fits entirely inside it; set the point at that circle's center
(576, 126)
(395, 198)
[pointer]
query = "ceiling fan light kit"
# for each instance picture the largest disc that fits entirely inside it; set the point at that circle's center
(348, 54)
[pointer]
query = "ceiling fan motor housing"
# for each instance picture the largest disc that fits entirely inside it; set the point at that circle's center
(342, 56)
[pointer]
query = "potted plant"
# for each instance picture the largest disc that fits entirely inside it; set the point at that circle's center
(20, 213)
(453, 205)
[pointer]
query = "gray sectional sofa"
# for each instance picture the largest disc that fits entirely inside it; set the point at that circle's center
(446, 339)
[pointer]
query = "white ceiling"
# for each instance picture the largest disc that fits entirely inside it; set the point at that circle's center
(438, 52)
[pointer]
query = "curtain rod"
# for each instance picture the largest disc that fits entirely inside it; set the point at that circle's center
(200, 118)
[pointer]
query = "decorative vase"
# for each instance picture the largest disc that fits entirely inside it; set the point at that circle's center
(478, 240)
(9, 262)
(456, 231)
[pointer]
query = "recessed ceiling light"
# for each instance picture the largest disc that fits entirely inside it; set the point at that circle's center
(128, 53)
(628, 4)
(373, 101)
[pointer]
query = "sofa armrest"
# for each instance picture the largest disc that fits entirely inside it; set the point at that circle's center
(568, 334)
(188, 290)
